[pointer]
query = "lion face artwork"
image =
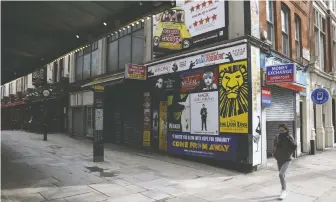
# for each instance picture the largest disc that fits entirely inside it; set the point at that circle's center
(233, 90)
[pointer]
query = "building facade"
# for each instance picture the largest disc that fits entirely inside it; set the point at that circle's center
(196, 80)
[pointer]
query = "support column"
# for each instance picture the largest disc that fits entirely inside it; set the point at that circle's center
(329, 128)
(320, 133)
(98, 140)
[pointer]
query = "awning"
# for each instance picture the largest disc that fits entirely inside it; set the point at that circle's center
(108, 80)
(293, 86)
(13, 104)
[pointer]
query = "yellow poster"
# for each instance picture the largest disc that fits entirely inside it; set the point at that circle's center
(146, 138)
(163, 126)
(233, 97)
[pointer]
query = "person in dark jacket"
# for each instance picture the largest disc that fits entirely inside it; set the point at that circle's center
(284, 147)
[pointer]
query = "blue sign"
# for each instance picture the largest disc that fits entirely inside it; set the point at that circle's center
(281, 73)
(320, 96)
(210, 146)
(266, 97)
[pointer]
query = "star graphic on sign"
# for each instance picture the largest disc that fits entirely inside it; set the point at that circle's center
(210, 2)
(203, 4)
(195, 24)
(198, 6)
(207, 19)
(214, 17)
(192, 9)
(201, 21)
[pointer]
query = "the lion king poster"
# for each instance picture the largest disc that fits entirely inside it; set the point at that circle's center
(233, 97)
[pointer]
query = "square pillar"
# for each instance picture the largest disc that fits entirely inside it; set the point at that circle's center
(329, 128)
(98, 140)
(320, 133)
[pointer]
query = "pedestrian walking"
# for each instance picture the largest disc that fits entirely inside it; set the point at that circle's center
(284, 147)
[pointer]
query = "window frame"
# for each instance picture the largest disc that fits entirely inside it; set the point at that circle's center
(270, 22)
(116, 36)
(285, 30)
(334, 44)
(319, 26)
(298, 37)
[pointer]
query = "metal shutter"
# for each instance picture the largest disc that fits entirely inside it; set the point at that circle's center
(132, 115)
(282, 111)
(78, 114)
(283, 105)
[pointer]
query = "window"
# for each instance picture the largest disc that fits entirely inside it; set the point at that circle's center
(298, 37)
(319, 38)
(87, 62)
(125, 46)
(138, 45)
(270, 22)
(334, 47)
(125, 51)
(95, 46)
(112, 60)
(285, 31)
(79, 65)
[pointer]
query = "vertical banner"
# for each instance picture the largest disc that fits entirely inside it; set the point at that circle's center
(256, 101)
(176, 107)
(204, 113)
(146, 137)
(155, 121)
(255, 24)
(163, 126)
(233, 97)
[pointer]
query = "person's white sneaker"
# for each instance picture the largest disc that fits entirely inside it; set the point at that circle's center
(283, 194)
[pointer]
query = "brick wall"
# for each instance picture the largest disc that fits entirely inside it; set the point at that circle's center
(299, 8)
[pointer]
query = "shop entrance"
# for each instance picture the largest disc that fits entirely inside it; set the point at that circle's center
(334, 118)
(301, 125)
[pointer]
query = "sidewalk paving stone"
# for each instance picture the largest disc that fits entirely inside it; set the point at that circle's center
(61, 170)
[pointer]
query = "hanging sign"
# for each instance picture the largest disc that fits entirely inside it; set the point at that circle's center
(320, 96)
(133, 71)
(266, 97)
(280, 73)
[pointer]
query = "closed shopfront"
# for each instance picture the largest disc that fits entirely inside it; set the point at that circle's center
(81, 113)
(124, 113)
(282, 111)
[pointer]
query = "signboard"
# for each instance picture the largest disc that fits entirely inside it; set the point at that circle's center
(163, 126)
(256, 105)
(255, 24)
(133, 71)
(204, 113)
(234, 102)
(320, 96)
(306, 54)
(186, 25)
(146, 138)
(266, 97)
(199, 80)
(99, 119)
(224, 55)
(216, 147)
(282, 73)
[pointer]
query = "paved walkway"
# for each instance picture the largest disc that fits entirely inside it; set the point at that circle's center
(61, 170)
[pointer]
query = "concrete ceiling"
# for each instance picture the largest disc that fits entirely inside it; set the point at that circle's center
(35, 33)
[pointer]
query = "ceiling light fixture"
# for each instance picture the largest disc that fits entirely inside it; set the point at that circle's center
(148, 18)
(133, 24)
(142, 20)
(77, 36)
(104, 23)
(137, 22)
